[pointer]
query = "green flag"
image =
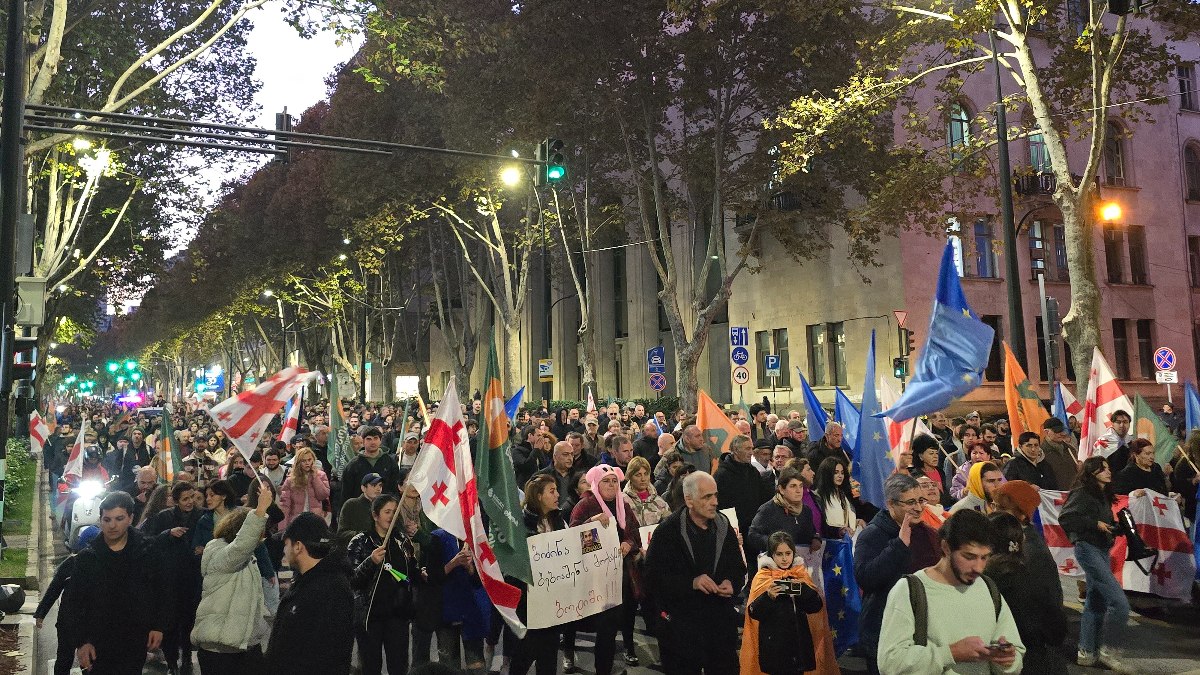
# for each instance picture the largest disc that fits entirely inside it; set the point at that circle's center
(168, 448)
(339, 448)
(496, 479)
(1148, 425)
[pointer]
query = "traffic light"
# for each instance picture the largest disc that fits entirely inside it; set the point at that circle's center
(131, 365)
(24, 365)
(112, 366)
(555, 169)
(1053, 332)
(907, 342)
(900, 367)
(283, 122)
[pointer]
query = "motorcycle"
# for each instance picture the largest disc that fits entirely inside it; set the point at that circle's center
(82, 509)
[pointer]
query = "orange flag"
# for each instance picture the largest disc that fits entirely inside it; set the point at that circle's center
(712, 421)
(1025, 410)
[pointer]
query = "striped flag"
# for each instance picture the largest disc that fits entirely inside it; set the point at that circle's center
(445, 477)
(74, 468)
(900, 434)
(291, 420)
(1160, 524)
(1066, 405)
(168, 450)
(38, 432)
(1104, 397)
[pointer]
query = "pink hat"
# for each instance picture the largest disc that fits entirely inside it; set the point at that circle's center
(594, 476)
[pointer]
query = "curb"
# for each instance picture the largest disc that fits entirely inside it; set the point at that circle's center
(33, 545)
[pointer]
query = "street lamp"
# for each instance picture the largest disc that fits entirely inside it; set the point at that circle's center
(510, 176)
(1110, 212)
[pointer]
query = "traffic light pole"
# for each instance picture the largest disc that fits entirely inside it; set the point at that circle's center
(1016, 313)
(11, 162)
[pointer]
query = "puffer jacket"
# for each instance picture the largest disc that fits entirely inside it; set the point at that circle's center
(291, 497)
(232, 611)
(652, 510)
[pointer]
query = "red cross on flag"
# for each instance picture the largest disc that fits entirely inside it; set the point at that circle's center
(38, 432)
(291, 422)
(74, 468)
(1104, 397)
(445, 477)
(244, 417)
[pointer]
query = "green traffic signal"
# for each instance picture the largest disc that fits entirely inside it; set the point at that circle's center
(135, 377)
(131, 365)
(112, 366)
(555, 173)
(555, 169)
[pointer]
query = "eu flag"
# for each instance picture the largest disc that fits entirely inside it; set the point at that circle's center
(873, 461)
(841, 593)
(1191, 407)
(815, 416)
(955, 352)
(847, 415)
(513, 407)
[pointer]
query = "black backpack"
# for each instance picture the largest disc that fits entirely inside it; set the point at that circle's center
(920, 605)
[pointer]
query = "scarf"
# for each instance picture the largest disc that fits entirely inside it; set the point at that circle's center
(594, 476)
(818, 624)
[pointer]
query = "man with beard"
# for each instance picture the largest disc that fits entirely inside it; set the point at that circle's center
(967, 625)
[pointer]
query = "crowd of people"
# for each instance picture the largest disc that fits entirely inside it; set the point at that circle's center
(953, 574)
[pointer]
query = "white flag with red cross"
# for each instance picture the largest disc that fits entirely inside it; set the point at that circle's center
(445, 477)
(74, 467)
(291, 421)
(38, 432)
(1104, 397)
(245, 417)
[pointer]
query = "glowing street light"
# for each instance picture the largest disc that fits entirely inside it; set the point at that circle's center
(1110, 212)
(268, 293)
(510, 176)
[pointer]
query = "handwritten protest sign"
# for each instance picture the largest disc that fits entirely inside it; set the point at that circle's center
(647, 531)
(576, 573)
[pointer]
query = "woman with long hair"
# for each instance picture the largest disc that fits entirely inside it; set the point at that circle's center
(219, 500)
(927, 459)
(539, 647)
(1087, 518)
(306, 487)
(172, 530)
(396, 580)
(159, 499)
(835, 499)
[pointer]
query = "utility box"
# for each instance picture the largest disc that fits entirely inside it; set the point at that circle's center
(31, 301)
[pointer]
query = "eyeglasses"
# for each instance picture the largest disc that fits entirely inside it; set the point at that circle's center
(913, 502)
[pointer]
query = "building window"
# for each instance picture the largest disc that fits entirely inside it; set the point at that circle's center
(985, 255)
(1120, 349)
(1048, 250)
(785, 363)
(1145, 349)
(1039, 159)
(620, 304)
(1078, 16)
(1037, 249)
(817, 347)
(1114, 155)
(1191, 166)
(995, 366)
(1137, 255)
(1068, 362)
(762, 347)
(837, 344)
(1060, 253)
(1194, 260)
(1186, 74)
(1114, 254)
(958, 131)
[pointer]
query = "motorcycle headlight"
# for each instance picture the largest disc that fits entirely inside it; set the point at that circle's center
(89, 489)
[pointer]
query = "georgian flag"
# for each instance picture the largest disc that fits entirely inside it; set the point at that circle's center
(74, 468)
(244, 417)
(445, 476)
(1160, 525)
(38, 432)
(1104, 397)
(291, 422)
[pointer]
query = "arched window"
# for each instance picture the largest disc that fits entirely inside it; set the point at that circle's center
(1114, 155)
(1191, 166)
(958, 130)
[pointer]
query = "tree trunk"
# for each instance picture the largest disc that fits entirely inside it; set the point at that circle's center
(510, 352)
(587, 358)
(1081, 325)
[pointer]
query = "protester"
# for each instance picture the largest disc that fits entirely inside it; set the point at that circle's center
(1029, 465)
(785, 512)
(967, 627)
(926, 458)
(740, 486)
(1114, 444)
(934, 514)
(540, 645)
(1058, 453)
(836, 500)
(896, 542)
(1030, 594)
(977, 452)
(642, 497)
(1142, 473)
(370, 459)
(118, 576)
(984, 478)
(1087, 518)
(231, 624)
(172, 531)
(306, 488)
(65, 656)
(355, 516)
(694, 563)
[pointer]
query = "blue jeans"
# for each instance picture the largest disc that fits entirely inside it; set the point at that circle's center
(1105, 601)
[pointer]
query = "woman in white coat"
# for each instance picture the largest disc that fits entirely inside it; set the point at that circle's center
(231, 626)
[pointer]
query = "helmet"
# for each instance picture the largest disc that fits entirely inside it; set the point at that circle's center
(87, 534)
(91, 453)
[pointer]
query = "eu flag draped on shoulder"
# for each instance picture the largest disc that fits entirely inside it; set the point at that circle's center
(955, 352)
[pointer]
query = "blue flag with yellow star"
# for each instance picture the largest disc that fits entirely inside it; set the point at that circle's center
(954, 354)
(873, 461)
(841, 593)
(846, 415)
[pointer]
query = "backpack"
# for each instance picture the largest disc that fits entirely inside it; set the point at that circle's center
(920, 605)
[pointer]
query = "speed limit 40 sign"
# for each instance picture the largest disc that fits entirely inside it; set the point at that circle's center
(740, 375)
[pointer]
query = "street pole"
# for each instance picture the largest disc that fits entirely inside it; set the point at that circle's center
(362, 346)
(1016, 316)
(11, 162)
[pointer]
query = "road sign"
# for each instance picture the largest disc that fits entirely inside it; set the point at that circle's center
(740, 375)
(656, 360)
(740, 356)
(1164, 358)
(1167, 377)
(771, 362)
(739, 336)
(901, 316)
(658, 381)
(545, 370)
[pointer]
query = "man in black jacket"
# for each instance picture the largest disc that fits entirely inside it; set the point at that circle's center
(314, 627)
(1029, 464)
(694, 564)
(120, 604)
(372, 460)
(739, 485)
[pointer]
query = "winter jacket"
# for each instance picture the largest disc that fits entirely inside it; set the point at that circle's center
(58, 584)
(314, 626)
(650, 511)
(740, 486)
(204, 534)
(292, 497)
(232, 611)
(385, 465)
(1040, 474)
(1042, 623)
(1133, 477)
(773, 517)
(464, 601)
(378, 594)
(880, 560)
(785, 640)
(180, 565)
(117, 597)
(1081, 516)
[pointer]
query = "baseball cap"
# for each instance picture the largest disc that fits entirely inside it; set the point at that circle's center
(973, 413)
(411, 436)
(372, 479)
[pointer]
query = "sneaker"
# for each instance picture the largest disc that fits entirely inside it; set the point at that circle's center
(1114, 660)
(569, 664)
(1085, 659)
(631, 659)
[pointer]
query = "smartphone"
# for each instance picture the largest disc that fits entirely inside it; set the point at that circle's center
(1000, 646)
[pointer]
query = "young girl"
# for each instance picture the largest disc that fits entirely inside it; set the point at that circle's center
(778, 638)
